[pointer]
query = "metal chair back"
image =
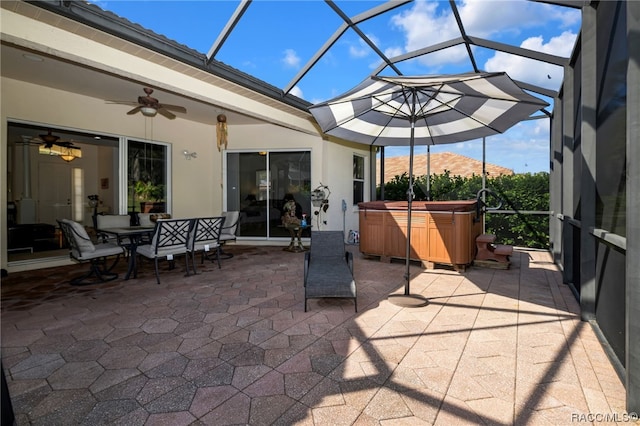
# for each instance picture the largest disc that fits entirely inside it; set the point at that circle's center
(170, 238)
(205, 237)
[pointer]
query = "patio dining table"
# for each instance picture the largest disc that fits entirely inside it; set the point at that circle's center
(130, 238)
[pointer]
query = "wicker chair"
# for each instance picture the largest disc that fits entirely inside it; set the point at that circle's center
(328, 268)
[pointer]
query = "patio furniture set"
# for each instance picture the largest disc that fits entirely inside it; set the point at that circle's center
(163, 240)
(328, 266)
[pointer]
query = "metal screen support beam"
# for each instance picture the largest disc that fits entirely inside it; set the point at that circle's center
(226, 31)
(567, 179)
(588, 242)
(632, 319)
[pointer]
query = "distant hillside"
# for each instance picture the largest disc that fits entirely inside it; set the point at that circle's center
(457, 165)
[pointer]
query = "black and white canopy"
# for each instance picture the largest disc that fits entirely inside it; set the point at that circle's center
(425, 110)
(442, 109)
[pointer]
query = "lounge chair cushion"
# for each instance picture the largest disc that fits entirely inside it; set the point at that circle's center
(330, 277)
(328, 269)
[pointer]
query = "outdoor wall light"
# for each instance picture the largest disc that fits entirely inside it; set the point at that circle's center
(189, 155)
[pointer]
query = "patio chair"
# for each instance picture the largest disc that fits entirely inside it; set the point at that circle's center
(328, 268)
(170, 238)
(83, 249)
(111, 221)
(229, 230)
(205, 238)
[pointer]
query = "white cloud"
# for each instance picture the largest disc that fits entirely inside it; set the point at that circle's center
(504, 18)
(426, 24)
(535, 72)
(392, 52)
(561, 45)
(249, 64)
(296, 91)
(291, 59)
(524, 147)
(424, 27)
(360, 50)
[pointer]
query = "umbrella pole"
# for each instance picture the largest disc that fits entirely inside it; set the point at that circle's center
(407, 274)
(428, 194)
(407, 299)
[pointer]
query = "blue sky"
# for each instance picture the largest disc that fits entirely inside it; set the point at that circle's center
(275, 39)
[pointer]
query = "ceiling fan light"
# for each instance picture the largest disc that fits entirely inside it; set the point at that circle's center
(69, 154)
(66, 153)
(148, 111)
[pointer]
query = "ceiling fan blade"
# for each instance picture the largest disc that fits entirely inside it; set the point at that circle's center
(148, 101)
(123, 103)
(176, 108)
(166, 113)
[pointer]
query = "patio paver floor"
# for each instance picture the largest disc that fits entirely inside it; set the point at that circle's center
(234, 346)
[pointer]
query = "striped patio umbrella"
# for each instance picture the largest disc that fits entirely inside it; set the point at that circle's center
(425, 110)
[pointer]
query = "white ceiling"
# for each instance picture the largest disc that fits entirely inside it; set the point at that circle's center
(57, 74)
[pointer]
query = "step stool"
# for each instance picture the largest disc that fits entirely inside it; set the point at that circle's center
(487, 250)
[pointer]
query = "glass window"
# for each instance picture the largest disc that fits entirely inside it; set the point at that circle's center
(257, 183)
(358, 179)
(147, 184)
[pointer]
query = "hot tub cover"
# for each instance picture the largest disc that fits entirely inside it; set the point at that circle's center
(433, 206)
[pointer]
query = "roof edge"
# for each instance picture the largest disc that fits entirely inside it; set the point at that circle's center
(95, 17)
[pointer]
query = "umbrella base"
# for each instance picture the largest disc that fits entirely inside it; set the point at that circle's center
(408, 300)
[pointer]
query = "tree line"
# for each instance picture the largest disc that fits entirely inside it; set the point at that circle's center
(521, 193)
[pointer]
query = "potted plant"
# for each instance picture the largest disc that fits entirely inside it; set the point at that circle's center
(151, 196)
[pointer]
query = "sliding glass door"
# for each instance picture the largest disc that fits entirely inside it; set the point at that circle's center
(256, 185)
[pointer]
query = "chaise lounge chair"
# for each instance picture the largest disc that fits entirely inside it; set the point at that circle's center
(328, 268)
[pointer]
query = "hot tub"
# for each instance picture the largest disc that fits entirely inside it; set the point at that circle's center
(442, 232)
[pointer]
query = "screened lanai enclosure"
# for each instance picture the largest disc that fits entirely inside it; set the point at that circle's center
(261, 65)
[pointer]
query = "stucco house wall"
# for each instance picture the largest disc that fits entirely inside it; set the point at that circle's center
(197, 186)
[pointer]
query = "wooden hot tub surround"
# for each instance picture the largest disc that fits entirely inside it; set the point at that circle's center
(442, 232)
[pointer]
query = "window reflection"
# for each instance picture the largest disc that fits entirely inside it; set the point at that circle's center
(147, 177)
(257, 183)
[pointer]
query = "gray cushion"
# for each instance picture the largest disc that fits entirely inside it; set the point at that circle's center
(101, 250)
(112, 220)
(328, 269)
(145, 219)
(170, 238)
(230, 225)
(85, 245)
(330, 277)
(149, 251)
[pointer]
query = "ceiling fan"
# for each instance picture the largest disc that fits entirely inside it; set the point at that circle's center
(150, 106)
(49, 139)
(52, 145)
